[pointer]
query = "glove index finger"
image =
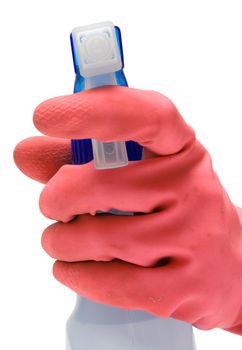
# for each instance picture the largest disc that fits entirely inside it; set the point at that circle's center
(115, 113)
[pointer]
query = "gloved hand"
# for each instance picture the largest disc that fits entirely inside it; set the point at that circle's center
(183, 257)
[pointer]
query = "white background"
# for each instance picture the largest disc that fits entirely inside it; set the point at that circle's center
(188, 50)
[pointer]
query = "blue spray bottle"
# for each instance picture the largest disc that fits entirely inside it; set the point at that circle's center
(98, 60)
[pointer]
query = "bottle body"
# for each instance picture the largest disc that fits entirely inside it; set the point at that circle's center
(94, 326)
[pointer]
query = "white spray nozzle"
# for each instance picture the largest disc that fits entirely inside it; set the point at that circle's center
(96, 49)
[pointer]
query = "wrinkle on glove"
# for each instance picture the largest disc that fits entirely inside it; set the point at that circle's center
(183, 257)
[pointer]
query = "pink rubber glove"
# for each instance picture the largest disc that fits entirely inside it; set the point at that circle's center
(183, 257)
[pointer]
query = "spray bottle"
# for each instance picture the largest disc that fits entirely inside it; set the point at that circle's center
(98, 60)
